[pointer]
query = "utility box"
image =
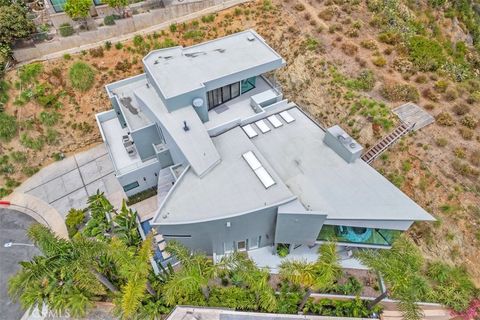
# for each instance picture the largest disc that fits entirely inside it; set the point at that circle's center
(344, 145)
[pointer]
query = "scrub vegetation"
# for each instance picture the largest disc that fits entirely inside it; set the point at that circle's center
(348, 63)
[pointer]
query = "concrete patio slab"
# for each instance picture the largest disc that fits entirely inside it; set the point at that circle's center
(77, 199)
(96, 169)
(266, 258)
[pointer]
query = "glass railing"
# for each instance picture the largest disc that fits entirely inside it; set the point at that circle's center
(358, 235)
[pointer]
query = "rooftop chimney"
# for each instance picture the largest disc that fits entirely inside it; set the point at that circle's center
(344, 145)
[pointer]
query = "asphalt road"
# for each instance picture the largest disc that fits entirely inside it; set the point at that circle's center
(13, 226)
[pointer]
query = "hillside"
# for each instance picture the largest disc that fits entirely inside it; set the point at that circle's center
(348, 62)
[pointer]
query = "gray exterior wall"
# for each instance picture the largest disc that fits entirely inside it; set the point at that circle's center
(148, 171)
(116, 107)
(298, 228)
(144, 138)
(210, 236)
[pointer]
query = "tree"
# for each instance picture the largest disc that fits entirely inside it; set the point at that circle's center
(189, 285)
(118, 5)
(401, 269)
(14, 23)
(65, 278)
(319, 275)
(78, 9)
(133, 266)
(252, 278)
(126, 226)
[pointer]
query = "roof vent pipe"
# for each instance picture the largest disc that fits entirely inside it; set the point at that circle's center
(185, 127)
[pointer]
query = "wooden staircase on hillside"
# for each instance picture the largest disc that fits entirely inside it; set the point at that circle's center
(382, 145)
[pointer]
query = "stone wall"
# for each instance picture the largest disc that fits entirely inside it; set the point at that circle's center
(123, 29)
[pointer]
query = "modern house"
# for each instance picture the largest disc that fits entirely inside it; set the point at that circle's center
(237, 167)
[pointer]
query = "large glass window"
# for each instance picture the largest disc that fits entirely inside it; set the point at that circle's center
(248, 84)
(58, 5)
(130, 186)
(221, 95)
(383, 237)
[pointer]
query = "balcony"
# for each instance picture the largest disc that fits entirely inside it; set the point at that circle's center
(241, 107)
(358, 236)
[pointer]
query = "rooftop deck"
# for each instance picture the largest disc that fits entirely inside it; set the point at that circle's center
(238, 108)
(124, 90)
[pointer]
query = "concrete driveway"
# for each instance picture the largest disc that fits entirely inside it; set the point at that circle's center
(68, 183)
(13, 226)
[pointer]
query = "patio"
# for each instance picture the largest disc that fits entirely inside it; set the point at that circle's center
(238, 108)
(266, 257)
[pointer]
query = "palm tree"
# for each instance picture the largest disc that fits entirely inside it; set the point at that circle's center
(319, 275)
(65, 278)
(126, 226)
(401, 269)
(253, 278)
(133, 266)
(191, 282)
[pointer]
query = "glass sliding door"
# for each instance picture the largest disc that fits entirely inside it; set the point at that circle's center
(221, 95)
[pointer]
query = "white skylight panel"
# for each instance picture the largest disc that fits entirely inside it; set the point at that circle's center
(264, 177)
(251, 133)
(287, 116)
(274, 121)
(262, 126)
(252, 160)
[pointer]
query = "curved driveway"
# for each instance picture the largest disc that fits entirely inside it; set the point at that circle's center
(13, 227)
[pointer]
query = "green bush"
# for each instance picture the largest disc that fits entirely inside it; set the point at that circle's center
(364, 81)
(32, 143)
(141, 196)
(74, 220)
(51, 137)
(4, 86)
(8, 126)
(118, 45)
(81, 76)
(18, 156)
(109, 20)
(207, 18)
(194, 34)
(29, 171)
(173, 27)
(426, 54)
(66, 29)
(30, 72)
(282, 250)
(340, 308)
(49, 118)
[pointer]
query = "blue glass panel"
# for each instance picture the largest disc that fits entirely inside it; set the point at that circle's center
(383, 237)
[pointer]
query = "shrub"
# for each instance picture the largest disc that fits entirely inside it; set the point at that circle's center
(118, 45)
(349, 48)
(282, 250)
(430, 95)
(211, 17)
(8, 126)
(29, 171)
(327, 14)
(108, 45)
(49, 118)
(66, 30)
(138, 40)
(173, 27)
(369, 44)
(74, 220)
(426, 54)
(379, 61)
(313, 44)
(469, 122)
(464, 169)
(441, 86)
(30, 72)
(365, 81)
(194, 34)
(421, 78)
(389, 37)
(441, 142)
(51, 137)
(299, 7)
(475, 158)
(18, 156)
(81, 76)
(67, 56)
(96, 52)
(460, 109)
(445, 119)
(451, 94)
(145, 194)
(394, 91)
(32, 143)
(466, 133)
(340, 308)
(109, 20)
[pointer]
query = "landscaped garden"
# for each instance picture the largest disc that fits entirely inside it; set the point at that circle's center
(106, 260)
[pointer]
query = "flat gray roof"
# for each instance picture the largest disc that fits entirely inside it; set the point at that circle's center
(195, 144)
(230, 188)
(179, 70)
(124, 90)
(324, 182)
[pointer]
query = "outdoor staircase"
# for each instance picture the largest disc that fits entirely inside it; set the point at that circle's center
(382, 145)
